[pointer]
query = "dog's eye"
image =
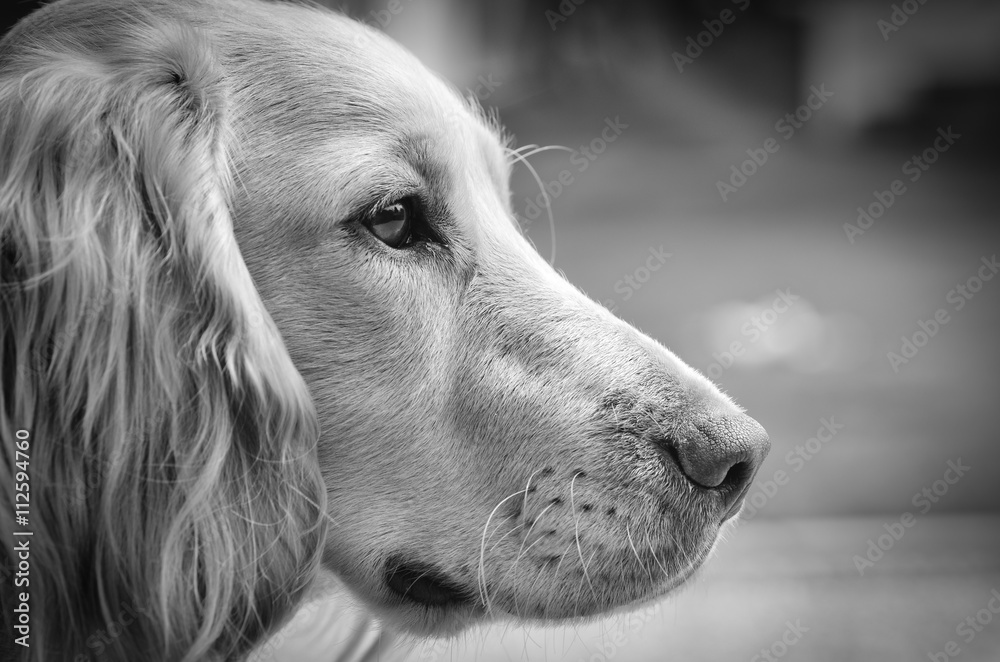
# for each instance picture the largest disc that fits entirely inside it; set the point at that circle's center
(401, 224)
(391, 224)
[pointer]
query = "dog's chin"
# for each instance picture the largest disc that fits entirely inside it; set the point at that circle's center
(448, 620)
(420, 600)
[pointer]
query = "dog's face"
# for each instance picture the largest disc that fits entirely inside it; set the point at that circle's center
(492, 439)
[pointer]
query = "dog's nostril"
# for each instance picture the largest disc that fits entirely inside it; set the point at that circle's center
(724, 456)
(713, 468)
(738, 475)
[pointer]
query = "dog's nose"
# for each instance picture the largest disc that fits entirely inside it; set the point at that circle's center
(725, 456)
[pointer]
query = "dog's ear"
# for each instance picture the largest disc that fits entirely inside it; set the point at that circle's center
(176, 505)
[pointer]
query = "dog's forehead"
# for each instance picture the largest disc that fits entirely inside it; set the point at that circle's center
(351, 113)
(331, 63)
(329, 78)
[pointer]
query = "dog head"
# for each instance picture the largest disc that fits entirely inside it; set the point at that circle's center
(491, 441)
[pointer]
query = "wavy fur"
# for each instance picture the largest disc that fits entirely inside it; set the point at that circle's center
(173, 468)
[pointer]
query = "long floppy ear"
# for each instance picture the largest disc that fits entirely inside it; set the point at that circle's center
(176, 506)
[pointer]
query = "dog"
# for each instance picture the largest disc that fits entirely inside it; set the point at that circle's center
(266, 308)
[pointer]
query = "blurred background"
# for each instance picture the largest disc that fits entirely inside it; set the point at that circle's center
(800, 200)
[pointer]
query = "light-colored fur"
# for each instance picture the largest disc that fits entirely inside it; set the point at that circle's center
(228, 380)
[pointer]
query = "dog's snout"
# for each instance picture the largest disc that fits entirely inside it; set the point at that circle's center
(725, 455)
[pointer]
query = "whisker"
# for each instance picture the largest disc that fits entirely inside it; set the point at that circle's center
(504, 536)
(524, 550)
(628, 535)
(555, 574)
(415, 580)
(483, 592)
(524, 509)
(680, 550)
(578, 595)
(666, 573)
(522, 148)
(312, 502)
(514, 566)
(548, 204)
(527, 489)
(547, 148)
(576, 533)
(591, 559)
(532, 528)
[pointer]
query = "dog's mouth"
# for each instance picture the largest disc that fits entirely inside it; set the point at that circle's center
(436, 600)
(423, 584)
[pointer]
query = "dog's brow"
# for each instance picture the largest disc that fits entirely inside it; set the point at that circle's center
(496, 159)
(491, 142)
(417, 149)
(489, 121)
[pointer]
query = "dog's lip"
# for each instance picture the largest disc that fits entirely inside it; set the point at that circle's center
(737, 505)
(424, 583)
